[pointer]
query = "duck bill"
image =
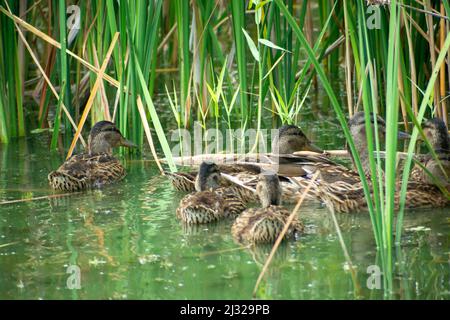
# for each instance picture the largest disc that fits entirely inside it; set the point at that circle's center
(312, 147)
(127, 143)
(403, 135)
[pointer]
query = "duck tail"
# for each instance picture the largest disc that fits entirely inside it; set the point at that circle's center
(181, 181)
(62, 181)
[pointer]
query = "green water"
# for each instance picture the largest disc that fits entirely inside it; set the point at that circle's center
(128, 244)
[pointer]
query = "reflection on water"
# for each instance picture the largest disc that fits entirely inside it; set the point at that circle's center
(128, 244)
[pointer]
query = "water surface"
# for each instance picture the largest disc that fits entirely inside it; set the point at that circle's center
(128, 244)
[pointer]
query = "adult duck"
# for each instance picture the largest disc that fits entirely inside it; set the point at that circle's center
(96, 167)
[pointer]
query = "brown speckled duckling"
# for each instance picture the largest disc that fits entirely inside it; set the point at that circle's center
(264, 225)
(211, 202)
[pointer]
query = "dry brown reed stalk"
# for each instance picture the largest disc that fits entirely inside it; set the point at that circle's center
(378, 2)
(414, 98)
(420, 30)
(283, 232)
(430, 35)
(55, 43)
(433, 12)
(39, 198)
(36, 61)
(93, 94)
(8, 244)
(402, 102)
(166, 38)
(22, 15)
(442, 37)
(148, 133)
(448, 69)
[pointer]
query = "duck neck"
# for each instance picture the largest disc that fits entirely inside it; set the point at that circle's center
(442, 144)
(203, 183)
(97, 145)
(269, 199)
(361, 147)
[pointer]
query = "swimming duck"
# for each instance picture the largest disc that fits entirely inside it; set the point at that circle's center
(332, 173)
(97, 166)
(287, 140)
(210, 202)
(264, 225)
(436, 133)
(347, 195)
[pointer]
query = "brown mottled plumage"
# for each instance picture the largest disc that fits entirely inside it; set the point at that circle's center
(436, 133)
(288, 139)
(95, 168)
(350, 198)
(348, 195)
(264, 225)
(210, 202)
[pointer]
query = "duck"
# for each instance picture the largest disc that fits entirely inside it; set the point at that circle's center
(336, 183)
(436, 133)
(347, 194)
(335, 173)
(287, 140)
(264, 224)
(96, 167)
(210, 202)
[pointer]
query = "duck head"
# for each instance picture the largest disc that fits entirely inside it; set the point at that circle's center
(104, 136)
(289, 139)
(436, 133)
(269, 189)
(207, 177)
(357, 125)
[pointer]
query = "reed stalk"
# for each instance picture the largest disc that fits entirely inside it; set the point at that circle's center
(64, 62)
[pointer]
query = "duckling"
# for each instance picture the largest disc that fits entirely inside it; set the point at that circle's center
(185, 181)
(95, 168)
(436, 133)
(211, 202)
(264, 225)
(287, 140)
